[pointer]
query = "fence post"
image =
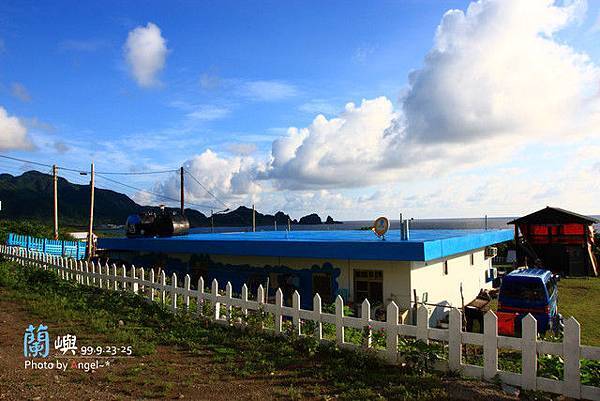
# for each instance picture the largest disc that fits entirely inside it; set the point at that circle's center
(260, 294)
(215, 299)
(114, 275)
(79, 266)
(200, 299)
(174, 292)
(163, 285)
(152, 281)
(455, 340)
(134, 283)
(365, 315)
(317, 317)
(98, 280)
(244, 300)
(339, 319)
(44, 246)
(142, 281)
(529, 353)
(490, 345)
(124, 282)
(296, 312)
(186, 294)
(228, 296)
(391, 342)
(278, 306)
(423, 324)
(87, 272)
(571, 353)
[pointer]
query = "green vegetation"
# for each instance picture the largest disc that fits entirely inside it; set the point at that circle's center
(580, 297)
(33, 228)
(130, 320)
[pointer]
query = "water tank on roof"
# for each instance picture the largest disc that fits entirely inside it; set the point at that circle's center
(161, 223)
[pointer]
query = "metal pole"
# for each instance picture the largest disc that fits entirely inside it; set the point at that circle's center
(212, 222)
(182, 192)
(253, 218)
(90, 233)
(486, 224)
(55, 185)
(289, 224)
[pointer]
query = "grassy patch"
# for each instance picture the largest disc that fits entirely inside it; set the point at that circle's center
(579, 297)
(312, 369)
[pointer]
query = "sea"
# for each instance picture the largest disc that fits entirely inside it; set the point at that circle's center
(416, 224)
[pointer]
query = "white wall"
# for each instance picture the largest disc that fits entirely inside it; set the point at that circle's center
(445, 289)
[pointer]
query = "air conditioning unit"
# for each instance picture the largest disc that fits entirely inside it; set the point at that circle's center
(491, 252)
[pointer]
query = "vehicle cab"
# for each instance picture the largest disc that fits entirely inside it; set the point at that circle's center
(526, 291)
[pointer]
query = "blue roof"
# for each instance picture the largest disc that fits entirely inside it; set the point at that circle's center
(423, 245)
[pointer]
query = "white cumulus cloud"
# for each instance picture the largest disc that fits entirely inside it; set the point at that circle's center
(145, 53)
(495, 79)
(230, 179)
(13, 133)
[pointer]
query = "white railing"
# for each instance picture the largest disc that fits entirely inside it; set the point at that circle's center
(156, 289)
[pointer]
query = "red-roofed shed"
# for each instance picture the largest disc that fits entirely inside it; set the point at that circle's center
(557, 239)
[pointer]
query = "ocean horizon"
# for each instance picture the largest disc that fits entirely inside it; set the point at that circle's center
(457, 223)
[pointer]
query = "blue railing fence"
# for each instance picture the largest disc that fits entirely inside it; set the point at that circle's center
(71, 249)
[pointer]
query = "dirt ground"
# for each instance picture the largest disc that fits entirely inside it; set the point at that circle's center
(170, 373)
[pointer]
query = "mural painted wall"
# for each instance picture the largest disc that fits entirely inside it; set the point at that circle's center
(310, 278)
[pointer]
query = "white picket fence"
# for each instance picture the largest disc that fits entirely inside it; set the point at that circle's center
(157, 289)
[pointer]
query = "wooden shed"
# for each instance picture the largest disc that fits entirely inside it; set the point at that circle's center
(557, 239)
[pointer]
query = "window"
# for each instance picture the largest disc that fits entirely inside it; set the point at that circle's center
(551, 286)
(368, 284)
(528, 291)
(472, 259)
(445, 268)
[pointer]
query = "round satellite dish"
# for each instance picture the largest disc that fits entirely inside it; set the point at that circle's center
(381, 226)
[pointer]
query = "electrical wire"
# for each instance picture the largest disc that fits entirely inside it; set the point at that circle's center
(153, 193)
(103, 174)
(85, 171)
(206, 189)
(232, 212)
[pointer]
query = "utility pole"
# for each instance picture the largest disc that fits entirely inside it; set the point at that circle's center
(90, 233)
(275, 222)
(289, 224)
(182, 192)
(253, 218)
(55, 185)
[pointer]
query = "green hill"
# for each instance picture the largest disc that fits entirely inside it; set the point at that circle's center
(29, 197)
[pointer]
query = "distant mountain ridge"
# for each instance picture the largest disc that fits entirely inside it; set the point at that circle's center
(29, 196)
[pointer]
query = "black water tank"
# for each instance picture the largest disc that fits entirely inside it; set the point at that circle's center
(156, 224)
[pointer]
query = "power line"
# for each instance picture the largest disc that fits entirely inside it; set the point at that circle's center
(153, 193)
(103, 174)
(137, 172)
(85, 171)
(206, 189)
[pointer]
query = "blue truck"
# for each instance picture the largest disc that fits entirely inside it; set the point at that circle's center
(524, 291)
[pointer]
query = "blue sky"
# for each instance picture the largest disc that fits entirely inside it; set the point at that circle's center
(224, 80)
